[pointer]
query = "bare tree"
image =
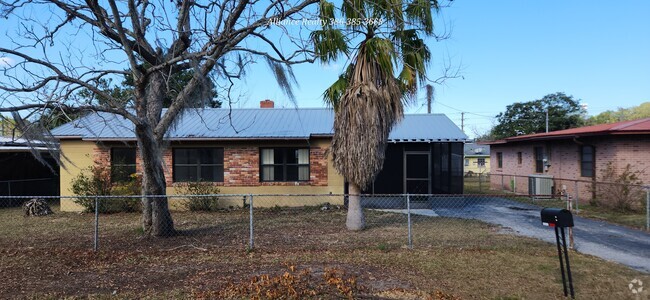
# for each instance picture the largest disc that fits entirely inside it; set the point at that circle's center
(58, 48)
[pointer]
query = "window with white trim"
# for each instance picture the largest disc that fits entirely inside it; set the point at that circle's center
(284, 164)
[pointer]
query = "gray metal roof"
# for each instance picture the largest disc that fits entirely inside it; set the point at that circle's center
(11, 144)
(472, 149)
(256, 123)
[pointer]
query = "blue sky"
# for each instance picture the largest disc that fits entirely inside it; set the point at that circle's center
(509, 51)
(513, 51)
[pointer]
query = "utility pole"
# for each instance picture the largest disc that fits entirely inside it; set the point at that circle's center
(547, 120)
(429, 97)
(462, 121)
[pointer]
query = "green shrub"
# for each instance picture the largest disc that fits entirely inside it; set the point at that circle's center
(209, 203)
(620, 191)
(95, 181)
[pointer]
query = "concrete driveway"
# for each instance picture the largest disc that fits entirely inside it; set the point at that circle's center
(610, 242)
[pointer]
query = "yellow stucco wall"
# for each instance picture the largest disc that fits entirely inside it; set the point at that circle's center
(76, 155)
(473, 166)
(81, 153)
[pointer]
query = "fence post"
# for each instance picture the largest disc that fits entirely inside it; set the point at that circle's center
(251, 241)
(480, 189)
(96, 241)
(576, 197)
(514, 184)
(503, 188)
(408, 213)
(647, 209)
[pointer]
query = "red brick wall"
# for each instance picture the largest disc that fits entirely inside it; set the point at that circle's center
(241, 166)
(565, 161)
(102, 155)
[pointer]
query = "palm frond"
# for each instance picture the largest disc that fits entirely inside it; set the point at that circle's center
(420, 12)
(353, 9)
(329, 44)
(380, 50)
(369, 97)
(326, 11)
(368, 110)
(332, 95)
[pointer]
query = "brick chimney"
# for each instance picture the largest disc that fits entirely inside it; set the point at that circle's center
(267, 104)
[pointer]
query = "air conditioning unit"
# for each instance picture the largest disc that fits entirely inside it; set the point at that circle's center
(540, 186)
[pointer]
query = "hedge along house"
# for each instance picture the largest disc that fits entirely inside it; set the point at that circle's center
(577, 154)
(264, 151)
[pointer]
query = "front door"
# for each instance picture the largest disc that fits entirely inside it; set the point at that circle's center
(417, 172)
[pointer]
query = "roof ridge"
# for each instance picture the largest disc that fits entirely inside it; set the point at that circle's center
(626, 124)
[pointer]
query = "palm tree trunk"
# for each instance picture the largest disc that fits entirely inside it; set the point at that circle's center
(355, 219)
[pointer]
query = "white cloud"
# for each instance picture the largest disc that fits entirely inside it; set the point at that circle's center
(6, 62)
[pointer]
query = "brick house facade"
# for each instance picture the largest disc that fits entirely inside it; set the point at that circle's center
(266, 150)
(563, 156)
(241, 165)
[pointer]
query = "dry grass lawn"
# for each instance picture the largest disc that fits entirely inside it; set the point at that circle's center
(299, 253)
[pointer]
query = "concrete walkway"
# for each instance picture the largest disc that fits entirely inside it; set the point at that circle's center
(605, 240)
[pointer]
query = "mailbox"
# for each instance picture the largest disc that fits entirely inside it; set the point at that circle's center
(557, 217)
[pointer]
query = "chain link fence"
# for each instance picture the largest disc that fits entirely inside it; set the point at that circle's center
(271, 222)
(619, 202)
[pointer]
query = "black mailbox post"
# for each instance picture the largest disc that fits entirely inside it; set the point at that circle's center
(557, 217)
(560, 218)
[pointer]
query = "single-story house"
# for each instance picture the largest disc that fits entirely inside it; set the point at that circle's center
(267, 150)
(24, 175)
(575, 154)
(477, 159)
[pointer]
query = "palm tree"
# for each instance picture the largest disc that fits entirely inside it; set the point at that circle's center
(369, 97)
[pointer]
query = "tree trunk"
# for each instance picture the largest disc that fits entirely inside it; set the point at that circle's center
(355, 219)
(156, 219)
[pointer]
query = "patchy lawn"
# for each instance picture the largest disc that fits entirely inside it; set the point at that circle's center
(302, 253)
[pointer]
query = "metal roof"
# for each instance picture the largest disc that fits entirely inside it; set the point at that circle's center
(472, 149)
(11, 144)
(640, 126)
(256, 123)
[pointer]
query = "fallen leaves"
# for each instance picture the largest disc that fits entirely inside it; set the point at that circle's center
(292, 284)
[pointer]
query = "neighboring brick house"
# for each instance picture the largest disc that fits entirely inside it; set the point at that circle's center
(477, 159)
(575, 154)
(265, 151)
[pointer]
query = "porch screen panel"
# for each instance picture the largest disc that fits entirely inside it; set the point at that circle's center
(456, 183)
(445, 174)
(437, 168)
